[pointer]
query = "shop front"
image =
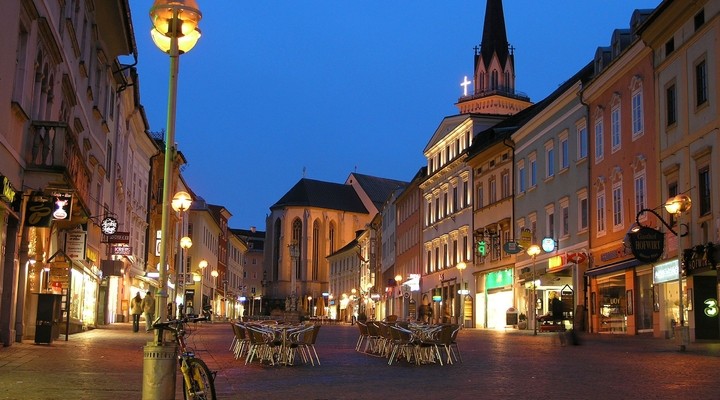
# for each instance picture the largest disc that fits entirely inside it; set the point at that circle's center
(497, 297)
(612, 298)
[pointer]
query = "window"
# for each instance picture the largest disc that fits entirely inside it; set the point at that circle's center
(671, 105)
(615, 128)
(505, 185)
(466, 193)
(565, 223)
(437, 208)
(533, 172)
(701, 94)
(550, 221)
(582, 140)
(617, 205)
(521, 178)
(640, 193)
(600, 214)
(704, 187)
(428, 220)
(599, 149)
(669, 46)
(637, 114)
(493, 191)
(480, 197)
(549, 160)
(454, 200)
(564, 156)
(699, 19)
(446, 204)
(583, 210)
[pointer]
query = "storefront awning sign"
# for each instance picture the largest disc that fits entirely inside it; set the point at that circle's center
(666, 272)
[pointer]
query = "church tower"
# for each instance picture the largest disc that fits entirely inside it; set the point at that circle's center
(493, 86)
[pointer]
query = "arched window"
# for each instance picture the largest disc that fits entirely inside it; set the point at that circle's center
(296, 236)
(494, 80)
(315, 250)
(277, 233)
(331, 238)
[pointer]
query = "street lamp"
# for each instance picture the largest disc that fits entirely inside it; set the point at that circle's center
(294, 258)
(309, 299)
(174, 32)
(533, 251)
(677, 205)
(461, 267)
(398, 278)
(213, 290)
(181, 202)
(202, 265)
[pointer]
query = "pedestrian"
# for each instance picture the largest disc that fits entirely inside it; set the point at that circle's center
(136, 308)
(148, 305)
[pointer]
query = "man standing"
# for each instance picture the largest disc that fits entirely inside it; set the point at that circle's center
(148, 304)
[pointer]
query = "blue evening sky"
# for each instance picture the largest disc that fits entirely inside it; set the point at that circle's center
(280, 89)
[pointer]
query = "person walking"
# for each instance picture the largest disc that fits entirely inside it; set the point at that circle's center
(136, 308)
(148, 305)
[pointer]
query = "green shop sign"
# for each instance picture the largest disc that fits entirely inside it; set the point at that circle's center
(498, 279)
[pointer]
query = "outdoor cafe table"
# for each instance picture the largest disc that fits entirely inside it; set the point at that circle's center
(281, 331)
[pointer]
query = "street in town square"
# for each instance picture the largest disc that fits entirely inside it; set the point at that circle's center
(501, 364)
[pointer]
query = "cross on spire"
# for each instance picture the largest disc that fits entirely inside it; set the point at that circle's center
(465, 83)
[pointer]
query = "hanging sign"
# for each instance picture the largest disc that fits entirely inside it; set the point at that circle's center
(75, 244)
(647, 244)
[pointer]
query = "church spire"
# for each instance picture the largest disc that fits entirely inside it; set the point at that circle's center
(494, 38)
(494, 73)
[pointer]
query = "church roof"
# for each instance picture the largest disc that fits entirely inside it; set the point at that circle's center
(320, 194)
(494, 39)
(378, 189)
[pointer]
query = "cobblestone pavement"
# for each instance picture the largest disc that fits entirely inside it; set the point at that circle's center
(107, 364)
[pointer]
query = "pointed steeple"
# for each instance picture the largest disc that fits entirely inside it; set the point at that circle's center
(494, 38)
(494, 74)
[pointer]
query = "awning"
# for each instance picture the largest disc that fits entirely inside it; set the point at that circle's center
(618, 266)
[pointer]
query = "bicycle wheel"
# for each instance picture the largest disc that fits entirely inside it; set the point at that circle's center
(202, 381)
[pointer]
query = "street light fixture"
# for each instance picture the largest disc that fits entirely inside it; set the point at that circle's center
(181, 202)
(213, 290)
(461, 267)
(677, 205)
(533, 251)
(294, 248)
(174, 21)
(398, 279)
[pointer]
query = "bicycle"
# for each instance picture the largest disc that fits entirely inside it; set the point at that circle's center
(198, 380)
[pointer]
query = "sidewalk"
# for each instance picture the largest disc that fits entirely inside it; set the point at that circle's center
(107, 363)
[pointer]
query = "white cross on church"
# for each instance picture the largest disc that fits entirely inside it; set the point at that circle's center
(465, 83)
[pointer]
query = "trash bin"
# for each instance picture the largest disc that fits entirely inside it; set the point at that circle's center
(46, 319)
(159, 369)
(511, 316)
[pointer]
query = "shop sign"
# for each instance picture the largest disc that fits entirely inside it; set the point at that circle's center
(497, 279)
(512, 247)
(525, 238)
(666, 272)
(120, 250)
(7, 193)
(118, 237)
(43, 209)
(75, 244)
(647, 244)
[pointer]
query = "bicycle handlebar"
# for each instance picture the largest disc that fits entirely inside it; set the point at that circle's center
(175, 322)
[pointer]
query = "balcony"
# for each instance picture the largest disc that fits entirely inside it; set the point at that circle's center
(54, 158)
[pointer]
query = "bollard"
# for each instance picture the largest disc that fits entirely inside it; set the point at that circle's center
(159, 369)
(682, 336)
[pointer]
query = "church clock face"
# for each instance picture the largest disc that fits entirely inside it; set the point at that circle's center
(109, 225)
